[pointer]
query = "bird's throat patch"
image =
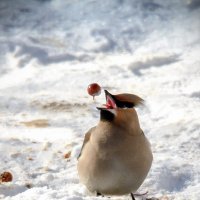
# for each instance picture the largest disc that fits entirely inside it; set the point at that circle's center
(106, 115)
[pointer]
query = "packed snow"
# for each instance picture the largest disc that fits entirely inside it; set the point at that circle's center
(51, 50)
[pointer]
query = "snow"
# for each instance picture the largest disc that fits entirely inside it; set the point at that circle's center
(52, 50)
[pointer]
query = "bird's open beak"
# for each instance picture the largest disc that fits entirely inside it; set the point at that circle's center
(110, 102)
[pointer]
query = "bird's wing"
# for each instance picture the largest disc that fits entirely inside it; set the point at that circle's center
(86, 139)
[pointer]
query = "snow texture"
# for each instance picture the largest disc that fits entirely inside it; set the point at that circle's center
(52, 49)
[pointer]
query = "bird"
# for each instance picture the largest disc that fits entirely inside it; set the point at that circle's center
(116, 156)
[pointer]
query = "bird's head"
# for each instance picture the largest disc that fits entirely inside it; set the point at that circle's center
(119, 107)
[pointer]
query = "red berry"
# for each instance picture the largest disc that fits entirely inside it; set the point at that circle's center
(6, 177)
(94, 89)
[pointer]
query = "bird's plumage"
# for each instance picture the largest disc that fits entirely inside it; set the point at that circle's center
(116, 156)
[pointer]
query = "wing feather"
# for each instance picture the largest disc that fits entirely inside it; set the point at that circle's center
(86, 139)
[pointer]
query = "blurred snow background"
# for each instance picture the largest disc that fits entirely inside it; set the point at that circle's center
(52, 49)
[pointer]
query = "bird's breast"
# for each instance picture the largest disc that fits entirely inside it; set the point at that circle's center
(115, 164)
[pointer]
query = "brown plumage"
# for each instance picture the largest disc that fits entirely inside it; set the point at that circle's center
(116, 156)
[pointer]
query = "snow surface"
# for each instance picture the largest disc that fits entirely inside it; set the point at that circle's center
(51, 50)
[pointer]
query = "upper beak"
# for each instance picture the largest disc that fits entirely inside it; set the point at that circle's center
(110, 102)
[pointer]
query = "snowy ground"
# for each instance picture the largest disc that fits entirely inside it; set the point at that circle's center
(51, 50)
